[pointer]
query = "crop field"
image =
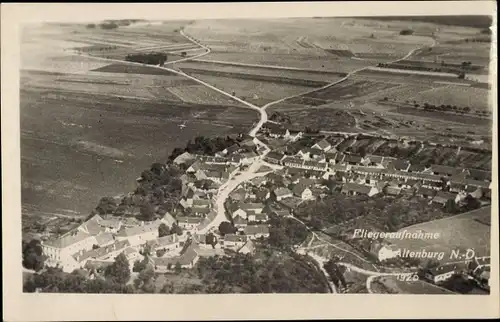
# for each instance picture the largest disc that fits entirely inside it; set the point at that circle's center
(475, 98)
(255, 92)
(316, 62)
(200, 94)
(344, 90)
(324, 119)
(133, 69)
(279, 75)
(461, 232)
(385, 284)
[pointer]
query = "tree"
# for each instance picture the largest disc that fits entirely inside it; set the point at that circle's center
(178, 267)
(95, 246)
(471, 203)
(107, 205)
(226, 227)
(175, 229)
(451, 206)
(160, 252)
(163, 230)
(210, 239)
(33, 257)
(147, 211)
(119, 271)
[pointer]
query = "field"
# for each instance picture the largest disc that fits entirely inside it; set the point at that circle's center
(461, 232)
(390, 284)
(255, 92)
(345, 90)
(261, 73)
(475, 98)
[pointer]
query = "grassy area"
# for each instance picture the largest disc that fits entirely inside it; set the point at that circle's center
(391, 285)
(461, 232)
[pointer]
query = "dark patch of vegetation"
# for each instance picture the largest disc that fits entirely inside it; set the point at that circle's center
(269, 272)
(406, 32)
(33, 257)
(147, 58)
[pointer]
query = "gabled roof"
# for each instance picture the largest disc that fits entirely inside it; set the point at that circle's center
(443, 269)
(357, 188)
(104, 238)
(353, 158)
(417, 168)
(442, 169)
(138, 230)
(68, 240)
(238, 220)
(189, 220)
(400, 164)
(323, 144)
(282, 192)
(182, 158)
(299, 189)
(168, 219)
(251, 206)
(479, 175)
(163, 241)
(275, 155)
(443, 197)
(376, 159)
(102, 251)
(235, 238)
(427, 191)
(256, 229)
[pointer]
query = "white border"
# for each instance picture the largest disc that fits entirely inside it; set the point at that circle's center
(47, 307)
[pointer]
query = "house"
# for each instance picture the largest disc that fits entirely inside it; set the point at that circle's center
(314, 165)
(233, 241)
(187, 260)
(253, 217)
(107, 253)
(479, 175)
(352, 189)
(240, 212)
(274, 157)
(202, 203)
(281, 193)
(256, 231)
(392, 190)
(131, 254)
(61, 249)
(293, 135)
(276, 132)
(168, 219)
(169, 243)
(238, 194)
(281, 213)
(256, 207)
(475, 192)
(196, 166)
(302, 191)
(292, 162)
(247, 248)
(443, 197)
(444, 171)
(441, 273)
(259, 181)
(91, 226)
(417, 168)
(386, 161)
(189, 223)
(291, 203)
(400, 165)
(383, 251)
(104, 239)
(139, 235)
(240, 222)
(426, 192)
(457, 187)
(323, 145)
(353, 159)
(375, 161)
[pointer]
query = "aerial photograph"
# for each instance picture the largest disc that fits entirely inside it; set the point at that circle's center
(290, 155)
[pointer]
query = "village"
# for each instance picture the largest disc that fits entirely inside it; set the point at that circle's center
(207, 222)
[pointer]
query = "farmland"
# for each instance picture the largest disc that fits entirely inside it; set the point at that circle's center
(390, 284)
(465, 231)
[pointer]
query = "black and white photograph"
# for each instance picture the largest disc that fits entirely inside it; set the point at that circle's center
(320, 154)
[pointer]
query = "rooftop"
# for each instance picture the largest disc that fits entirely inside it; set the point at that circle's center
(68, 240)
